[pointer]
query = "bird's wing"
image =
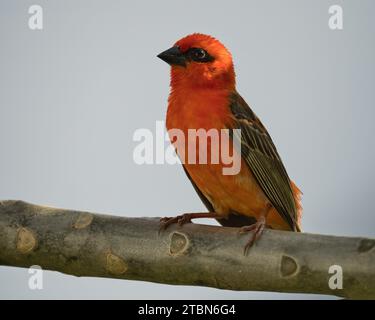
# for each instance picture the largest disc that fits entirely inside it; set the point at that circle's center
(260, 154)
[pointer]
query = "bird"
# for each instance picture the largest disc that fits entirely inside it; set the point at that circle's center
(203, 95)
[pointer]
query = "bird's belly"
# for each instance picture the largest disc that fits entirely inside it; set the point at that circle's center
(227, 193)
(239, 193)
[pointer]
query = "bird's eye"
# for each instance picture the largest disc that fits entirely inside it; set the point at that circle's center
(199, 55)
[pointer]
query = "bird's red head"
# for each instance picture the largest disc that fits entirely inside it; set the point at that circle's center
(200, 61)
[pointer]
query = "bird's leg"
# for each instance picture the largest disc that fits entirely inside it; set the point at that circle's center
(257, 229)
(185, 218)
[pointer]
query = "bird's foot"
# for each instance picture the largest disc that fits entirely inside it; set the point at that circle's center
(180, 220)
(257, 230)
(184, 218)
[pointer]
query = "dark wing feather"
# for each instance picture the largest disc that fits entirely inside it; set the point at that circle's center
(260, 154)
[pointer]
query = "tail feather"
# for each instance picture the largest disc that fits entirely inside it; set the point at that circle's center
(297, 194)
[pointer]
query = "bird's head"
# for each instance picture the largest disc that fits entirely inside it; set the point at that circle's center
(199, 60)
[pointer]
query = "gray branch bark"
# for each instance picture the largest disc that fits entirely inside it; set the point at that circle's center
(95, 245)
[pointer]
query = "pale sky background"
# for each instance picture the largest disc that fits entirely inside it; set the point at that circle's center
(72, 95)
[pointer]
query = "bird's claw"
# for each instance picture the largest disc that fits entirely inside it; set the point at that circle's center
(185, 218)
(180, 220)
(257, 230)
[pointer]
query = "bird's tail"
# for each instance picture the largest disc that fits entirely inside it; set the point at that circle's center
(297, 194)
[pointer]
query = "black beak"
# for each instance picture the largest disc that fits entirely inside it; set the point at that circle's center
(173, 57)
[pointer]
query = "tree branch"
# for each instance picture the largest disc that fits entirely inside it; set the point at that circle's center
(94, 245)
